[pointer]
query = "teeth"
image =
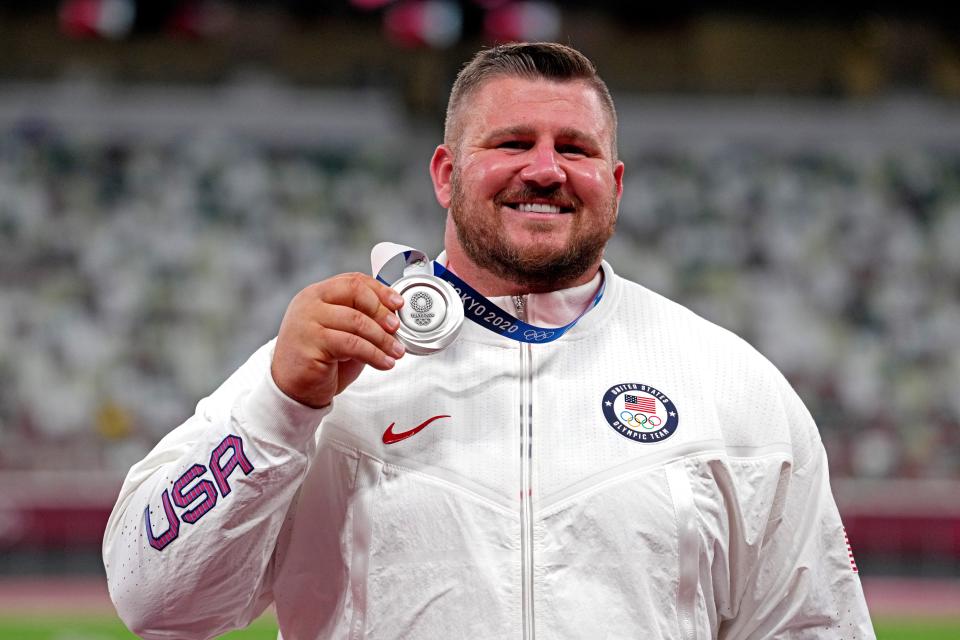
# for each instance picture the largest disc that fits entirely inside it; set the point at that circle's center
(538, 208)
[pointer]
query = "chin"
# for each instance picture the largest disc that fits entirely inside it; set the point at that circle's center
(544, 236)
(539, 253)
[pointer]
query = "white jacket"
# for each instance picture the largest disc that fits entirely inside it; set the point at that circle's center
(527, 508)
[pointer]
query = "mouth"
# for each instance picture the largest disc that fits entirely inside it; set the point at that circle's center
(539, 207)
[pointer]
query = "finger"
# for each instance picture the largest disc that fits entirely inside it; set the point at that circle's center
(349, 320)
(364, 293)
(357, 282)
(341, 345)
(388, 296)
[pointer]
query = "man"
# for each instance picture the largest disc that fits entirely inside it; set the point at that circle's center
(647, 475)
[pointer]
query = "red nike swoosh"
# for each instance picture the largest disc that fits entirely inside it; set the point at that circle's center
(390, 437)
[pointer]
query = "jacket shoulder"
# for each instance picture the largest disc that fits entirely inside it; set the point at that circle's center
(754, 403)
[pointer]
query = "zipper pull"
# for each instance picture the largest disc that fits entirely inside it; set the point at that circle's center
(520, 303)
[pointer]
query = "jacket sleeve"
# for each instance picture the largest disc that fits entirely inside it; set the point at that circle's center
(188, 546)
(802, 581)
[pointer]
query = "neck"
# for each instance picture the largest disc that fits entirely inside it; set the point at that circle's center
(491, 284)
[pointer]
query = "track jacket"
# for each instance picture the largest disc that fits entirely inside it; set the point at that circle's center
(646, 476)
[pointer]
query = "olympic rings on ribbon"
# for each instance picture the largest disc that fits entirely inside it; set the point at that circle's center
(639, 420)
(530, 334)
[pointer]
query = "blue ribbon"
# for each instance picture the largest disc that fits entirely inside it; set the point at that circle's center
(476, 306)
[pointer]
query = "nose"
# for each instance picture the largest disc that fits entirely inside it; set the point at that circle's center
(543, 169)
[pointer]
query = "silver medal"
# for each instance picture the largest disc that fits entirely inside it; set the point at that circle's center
(431, 315)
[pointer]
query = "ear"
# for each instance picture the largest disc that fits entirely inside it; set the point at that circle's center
(618, 178)
(441, 172)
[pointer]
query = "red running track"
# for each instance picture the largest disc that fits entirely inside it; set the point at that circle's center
(887, 597)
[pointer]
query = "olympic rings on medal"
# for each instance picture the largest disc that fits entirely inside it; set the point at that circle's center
(639, 420)
(537, 336)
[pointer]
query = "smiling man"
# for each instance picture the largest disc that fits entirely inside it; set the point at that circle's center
(621, 468)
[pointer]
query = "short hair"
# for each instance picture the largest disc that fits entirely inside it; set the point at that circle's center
(530, 60)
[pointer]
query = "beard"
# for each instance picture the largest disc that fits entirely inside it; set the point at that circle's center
(542, 267)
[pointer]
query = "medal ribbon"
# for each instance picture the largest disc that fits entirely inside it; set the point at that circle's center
(476, 306)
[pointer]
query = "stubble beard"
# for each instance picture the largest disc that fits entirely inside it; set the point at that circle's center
(538, 269)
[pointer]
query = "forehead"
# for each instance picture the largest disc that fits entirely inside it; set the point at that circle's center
(540, 104)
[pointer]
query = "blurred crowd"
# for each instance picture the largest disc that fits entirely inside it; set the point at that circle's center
(135, 275)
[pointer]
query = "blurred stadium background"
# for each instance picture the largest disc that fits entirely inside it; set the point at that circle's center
(171, 173)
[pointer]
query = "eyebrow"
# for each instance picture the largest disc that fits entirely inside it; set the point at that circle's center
(565, 133)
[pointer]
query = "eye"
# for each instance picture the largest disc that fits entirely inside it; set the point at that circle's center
(571, 150)
(514, 144)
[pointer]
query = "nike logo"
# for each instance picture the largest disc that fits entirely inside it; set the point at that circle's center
(390, 436)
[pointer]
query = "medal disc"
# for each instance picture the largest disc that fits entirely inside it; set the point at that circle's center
(431, 316)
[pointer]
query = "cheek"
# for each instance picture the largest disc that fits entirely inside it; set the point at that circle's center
(488, 176)
(591, 181)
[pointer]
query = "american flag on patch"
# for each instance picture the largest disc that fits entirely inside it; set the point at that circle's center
(853, 563)
(643, 405)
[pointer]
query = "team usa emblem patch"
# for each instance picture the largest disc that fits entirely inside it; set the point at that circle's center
(640, 412)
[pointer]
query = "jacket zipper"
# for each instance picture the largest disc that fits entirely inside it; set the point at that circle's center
(526, 479)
